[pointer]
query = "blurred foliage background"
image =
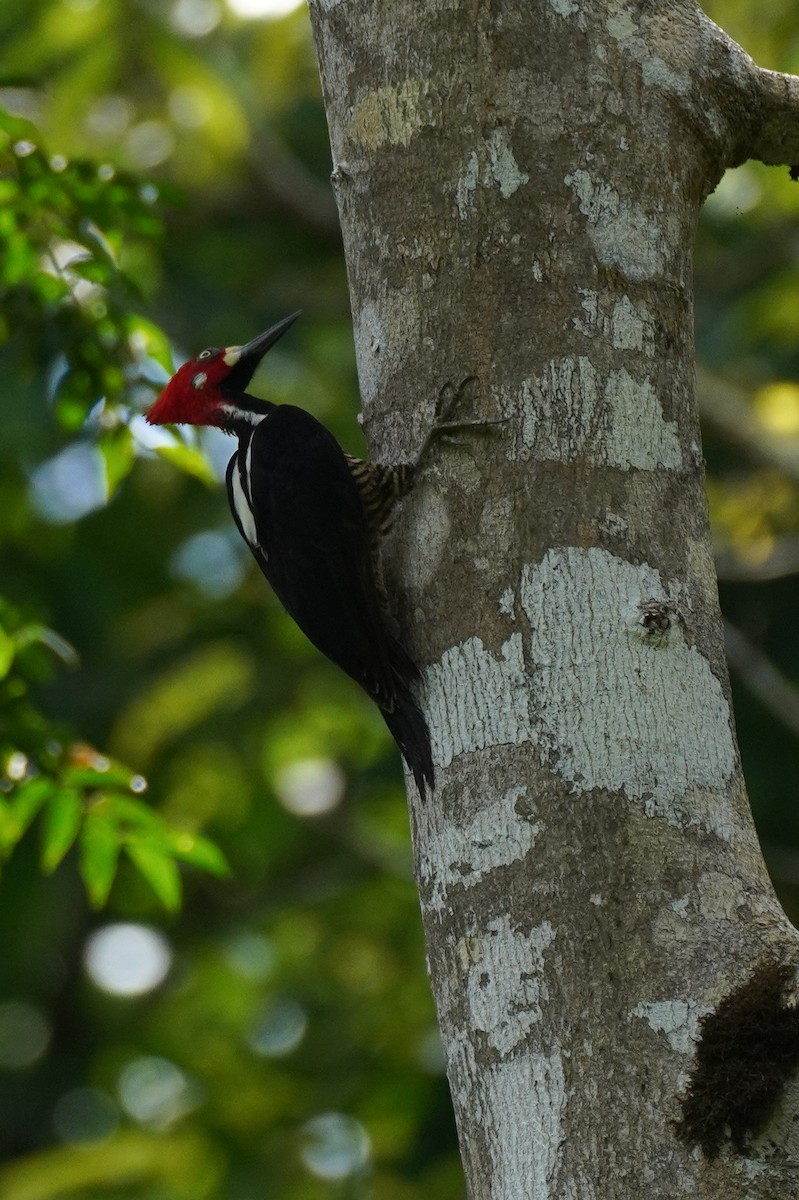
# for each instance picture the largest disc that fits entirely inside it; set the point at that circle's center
(163, 187)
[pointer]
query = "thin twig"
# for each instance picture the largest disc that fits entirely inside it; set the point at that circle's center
(781, 560)
(725, 408)
(776, 693)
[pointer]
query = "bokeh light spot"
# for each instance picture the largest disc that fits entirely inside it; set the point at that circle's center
(251, 955)
(216, 448)
(310, 786)
(126, 959)
(777, 405)
(69, 485)
(17, 766)
(109, 116)
(149, 143)
(280, 1030)
(263, 8)
(213, 561)
(196, 18)
(334, 1145)
(85, 1115)
(155, 1092)
(150, 437)
(24, 1035)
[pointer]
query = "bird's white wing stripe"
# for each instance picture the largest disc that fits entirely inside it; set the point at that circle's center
(248, 472)
(243, 510)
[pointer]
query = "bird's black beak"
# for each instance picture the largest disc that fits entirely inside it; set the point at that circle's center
(258, 347)
(243, 360)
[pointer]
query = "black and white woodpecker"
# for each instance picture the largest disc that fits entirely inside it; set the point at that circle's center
(312, 516)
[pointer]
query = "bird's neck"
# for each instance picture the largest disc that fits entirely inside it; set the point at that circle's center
(243, 412)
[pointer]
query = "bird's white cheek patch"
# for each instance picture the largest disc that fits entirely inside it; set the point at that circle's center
(243, 510)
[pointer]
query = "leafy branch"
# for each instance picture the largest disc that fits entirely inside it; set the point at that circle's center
(79, 796)
(67, 229)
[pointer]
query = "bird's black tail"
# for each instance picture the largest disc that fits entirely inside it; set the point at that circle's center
(406, 722)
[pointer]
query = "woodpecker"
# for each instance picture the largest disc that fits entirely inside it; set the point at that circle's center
(312, 516)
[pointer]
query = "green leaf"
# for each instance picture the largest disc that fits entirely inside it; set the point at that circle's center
(146, 338)
(29, 634)
(9, 834)
(60, 828)
(7, 651)
(158, 869)
(189, 459)
(138, 815)
(27, 799)
(74, 397)
(199, 852)
(100, 243)
(118, 452)
(110, 775)
(149, 828)
(17, 127)
(99, 853)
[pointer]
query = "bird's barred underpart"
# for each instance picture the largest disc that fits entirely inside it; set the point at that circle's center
(381, 486)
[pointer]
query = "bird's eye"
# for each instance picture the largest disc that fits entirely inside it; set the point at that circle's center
(206, 354)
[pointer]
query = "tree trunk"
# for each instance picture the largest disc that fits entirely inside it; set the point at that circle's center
(518, 185)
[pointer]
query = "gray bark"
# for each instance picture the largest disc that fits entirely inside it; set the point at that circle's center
(518, 186)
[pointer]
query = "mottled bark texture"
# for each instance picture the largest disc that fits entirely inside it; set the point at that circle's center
(518, 183)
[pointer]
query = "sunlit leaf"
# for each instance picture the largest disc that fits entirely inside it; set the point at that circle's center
(85, 776)
(146, 338)
(137, 814)
(118, 452)
(17, 127)
(62, 819)
(99, 853)
(76, 394)
(134, 1163)
(9, 829)
(7, 652)
(28, 798)
(190, 460)
(34, 632)
(99, 242)
(158, 869)
(199, 852)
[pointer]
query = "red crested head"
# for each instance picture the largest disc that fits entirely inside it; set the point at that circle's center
(204, 390)
(193, 395)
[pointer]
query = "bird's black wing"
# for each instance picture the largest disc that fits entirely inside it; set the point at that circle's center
(310, 537)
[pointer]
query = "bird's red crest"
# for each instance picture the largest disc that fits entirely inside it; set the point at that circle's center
(193, 396)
